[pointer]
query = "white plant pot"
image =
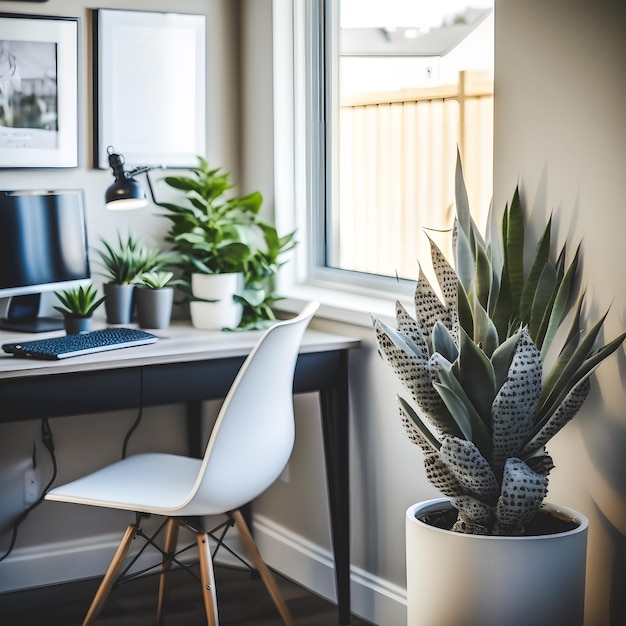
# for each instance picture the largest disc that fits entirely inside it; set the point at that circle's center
(224, 312)
(455, 579)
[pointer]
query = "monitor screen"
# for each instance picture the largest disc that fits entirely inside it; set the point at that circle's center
(43, 247)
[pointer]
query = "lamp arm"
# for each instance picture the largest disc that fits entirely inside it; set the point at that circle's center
(145, 170)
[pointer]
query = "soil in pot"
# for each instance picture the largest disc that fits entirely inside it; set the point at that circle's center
(544, 523)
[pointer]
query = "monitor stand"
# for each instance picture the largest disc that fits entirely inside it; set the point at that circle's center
(22, 316)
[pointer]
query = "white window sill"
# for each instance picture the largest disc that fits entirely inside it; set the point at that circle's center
(340, 305)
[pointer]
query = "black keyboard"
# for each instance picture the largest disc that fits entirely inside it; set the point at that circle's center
(83, 343)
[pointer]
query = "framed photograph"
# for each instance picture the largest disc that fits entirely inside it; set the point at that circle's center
(38, 91)
(150, 78)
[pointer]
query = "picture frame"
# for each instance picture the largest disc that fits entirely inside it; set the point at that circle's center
(150, 87)
(38, 91)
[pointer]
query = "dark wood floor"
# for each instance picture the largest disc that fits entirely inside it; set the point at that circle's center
(242, 601)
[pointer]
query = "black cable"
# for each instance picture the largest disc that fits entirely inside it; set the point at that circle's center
(46, 438)
(137, 421)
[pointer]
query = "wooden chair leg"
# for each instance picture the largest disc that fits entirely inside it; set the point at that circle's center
(259, 563)
(109, 577)
(208, 579)
(169, 547)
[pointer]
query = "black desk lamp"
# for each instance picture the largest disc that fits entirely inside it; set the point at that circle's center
(126, 193)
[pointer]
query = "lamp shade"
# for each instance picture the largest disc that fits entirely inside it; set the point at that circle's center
(125, 194)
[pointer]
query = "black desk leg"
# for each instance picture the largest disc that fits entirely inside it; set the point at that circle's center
(334, 405)
(195, 444)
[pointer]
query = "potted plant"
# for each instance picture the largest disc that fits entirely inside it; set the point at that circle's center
(154, 299)
(228, 255)
(492, 378)
(121, 264)
(78, 305)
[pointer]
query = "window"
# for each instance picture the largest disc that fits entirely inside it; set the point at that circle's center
(395, 88)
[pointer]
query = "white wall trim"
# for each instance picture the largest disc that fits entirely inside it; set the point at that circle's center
(373, 598)
(77, 559)
(49, 564)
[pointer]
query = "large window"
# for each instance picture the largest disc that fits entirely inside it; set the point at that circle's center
(398, 86)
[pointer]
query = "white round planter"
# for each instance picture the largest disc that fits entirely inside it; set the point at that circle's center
(468, 580)
(224, 312)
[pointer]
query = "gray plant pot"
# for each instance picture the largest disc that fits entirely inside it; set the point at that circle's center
(119, 303)
(154, 306)
(77, 325)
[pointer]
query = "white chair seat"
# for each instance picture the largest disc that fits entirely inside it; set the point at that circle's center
(146, 483)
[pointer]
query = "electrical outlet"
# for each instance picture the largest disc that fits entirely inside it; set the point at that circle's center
(31, 487)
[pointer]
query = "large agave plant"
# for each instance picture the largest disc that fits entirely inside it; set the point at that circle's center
(483, 401)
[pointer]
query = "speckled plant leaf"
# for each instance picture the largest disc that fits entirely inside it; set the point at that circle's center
(475, 517)
(540, 462)
(407, 325)
(470, 468)
(440, 476)
(412, 367)
(521, 496)
(416, 429)
(448, 282)
(514, 407)
(428, 307)
(566, 411)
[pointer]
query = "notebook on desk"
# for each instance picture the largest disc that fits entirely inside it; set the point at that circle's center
(66, 346)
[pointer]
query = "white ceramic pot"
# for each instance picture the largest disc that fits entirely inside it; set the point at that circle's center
(223, 312)
(468, 580)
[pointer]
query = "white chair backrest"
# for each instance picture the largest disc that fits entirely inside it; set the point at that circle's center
(254, 434)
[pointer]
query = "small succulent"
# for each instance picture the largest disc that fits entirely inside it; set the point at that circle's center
(483, 401)
(78, 302)
(155, 280)
(123, 263)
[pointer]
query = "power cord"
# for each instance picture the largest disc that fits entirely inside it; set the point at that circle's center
(46, 439)
(137, 421)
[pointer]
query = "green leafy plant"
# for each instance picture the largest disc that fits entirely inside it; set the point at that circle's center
(484, 401)
(155, 280)
(215, 233)
(78, 302)
(123, 262)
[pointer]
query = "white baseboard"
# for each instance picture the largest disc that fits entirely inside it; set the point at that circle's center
(376, 600)
(372, 598)
(53, 563)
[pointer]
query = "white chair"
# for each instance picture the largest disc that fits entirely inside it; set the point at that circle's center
(248, 449)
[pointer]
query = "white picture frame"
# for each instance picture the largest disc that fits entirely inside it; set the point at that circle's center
(150, 83)
(38, 91)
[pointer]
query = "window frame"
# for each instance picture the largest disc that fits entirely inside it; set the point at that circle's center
(304, 42)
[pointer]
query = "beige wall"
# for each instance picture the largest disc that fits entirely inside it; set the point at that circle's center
(85, 443)
(560, 130)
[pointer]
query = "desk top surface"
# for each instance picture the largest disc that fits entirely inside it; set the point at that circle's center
(178, 343)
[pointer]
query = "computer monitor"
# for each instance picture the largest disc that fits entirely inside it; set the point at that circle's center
(43, 247)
